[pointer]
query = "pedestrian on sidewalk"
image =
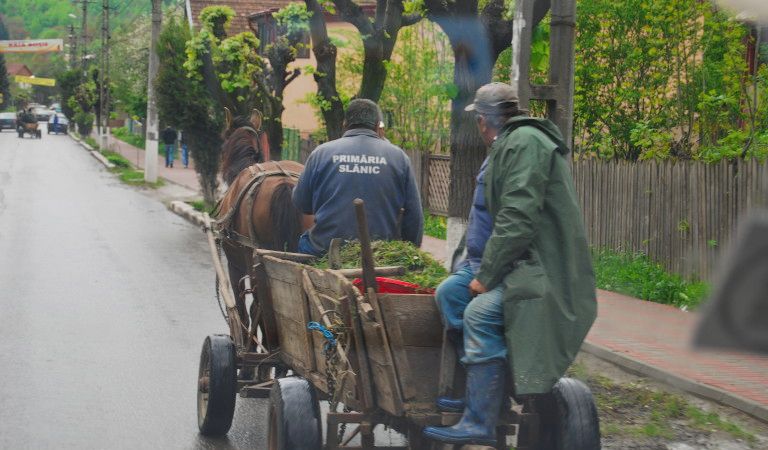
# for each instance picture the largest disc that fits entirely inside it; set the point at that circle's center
(169, 135)
(184, 149)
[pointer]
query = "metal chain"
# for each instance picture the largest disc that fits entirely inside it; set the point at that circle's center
(218, 300)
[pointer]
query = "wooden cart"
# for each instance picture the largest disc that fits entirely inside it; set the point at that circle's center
(382, 357)
(30, 128)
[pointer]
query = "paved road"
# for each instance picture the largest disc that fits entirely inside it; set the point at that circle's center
(105, 299)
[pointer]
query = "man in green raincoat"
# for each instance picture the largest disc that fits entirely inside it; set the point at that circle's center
(532, 299)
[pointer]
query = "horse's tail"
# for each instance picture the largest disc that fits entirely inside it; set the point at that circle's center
(286, 219)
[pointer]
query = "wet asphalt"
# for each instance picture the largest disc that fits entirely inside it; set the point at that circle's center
(105, 299)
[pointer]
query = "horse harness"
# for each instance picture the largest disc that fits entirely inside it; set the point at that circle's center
(225, 225)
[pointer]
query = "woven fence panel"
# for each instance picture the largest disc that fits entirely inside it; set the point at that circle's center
(438, 184)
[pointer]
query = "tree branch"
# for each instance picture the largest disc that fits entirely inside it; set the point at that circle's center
(353, 13)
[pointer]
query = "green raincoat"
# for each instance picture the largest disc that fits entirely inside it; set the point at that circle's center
(538, 251)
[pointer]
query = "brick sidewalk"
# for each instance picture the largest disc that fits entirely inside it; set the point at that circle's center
(178, 174)
(654, 340)
(643, 337)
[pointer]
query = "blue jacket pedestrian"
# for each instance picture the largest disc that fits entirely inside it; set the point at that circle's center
(360, 164)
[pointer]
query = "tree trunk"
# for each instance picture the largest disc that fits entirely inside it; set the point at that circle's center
(325, 75)
(374, 70)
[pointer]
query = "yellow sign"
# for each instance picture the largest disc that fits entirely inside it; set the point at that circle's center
(32, 46)
(37, 81)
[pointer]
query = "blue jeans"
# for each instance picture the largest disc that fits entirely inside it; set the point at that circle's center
(184, 155)
(306, 247)
(169, 151)
(481, 319)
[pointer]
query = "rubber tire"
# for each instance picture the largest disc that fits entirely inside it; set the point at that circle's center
(575, 425)
(294, 416)
(218, 358)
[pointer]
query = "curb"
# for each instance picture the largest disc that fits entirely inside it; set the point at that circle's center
(102, 159)
(718, 395)
(187, 212)
(96, 154)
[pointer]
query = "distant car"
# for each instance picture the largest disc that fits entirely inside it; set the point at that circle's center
(7, 120)
(42, 113)
(61, 127)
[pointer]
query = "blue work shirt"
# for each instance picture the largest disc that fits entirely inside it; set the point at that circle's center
(360, 164)
(480, 225)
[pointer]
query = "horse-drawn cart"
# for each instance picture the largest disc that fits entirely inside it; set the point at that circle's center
(30, 128)
(382, 357)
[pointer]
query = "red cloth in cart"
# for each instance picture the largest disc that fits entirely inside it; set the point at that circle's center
(392, 286)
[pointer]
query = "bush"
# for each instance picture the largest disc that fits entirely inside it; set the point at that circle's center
(636, 275)
(126, 136)
(435, 226)
(117, 159)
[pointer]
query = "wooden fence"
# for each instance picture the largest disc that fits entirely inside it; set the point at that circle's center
(680, 214)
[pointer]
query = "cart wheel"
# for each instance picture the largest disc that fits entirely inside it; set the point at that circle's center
(294, 416)
(570, 421)
(216, 386)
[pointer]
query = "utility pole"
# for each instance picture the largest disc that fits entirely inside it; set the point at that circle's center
(84, 33)
(72, 47)
(150, 155)
(104, 75)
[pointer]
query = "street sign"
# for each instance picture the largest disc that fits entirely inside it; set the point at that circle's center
(32, 46)
(35, 80)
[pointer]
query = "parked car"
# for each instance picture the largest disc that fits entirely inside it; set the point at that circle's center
(7, 120)
(41, 113)
(61, 127)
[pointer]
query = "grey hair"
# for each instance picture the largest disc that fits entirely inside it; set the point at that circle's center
(363, 113)
(497, 121)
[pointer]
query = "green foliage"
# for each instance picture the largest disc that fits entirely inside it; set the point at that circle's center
(435, 226)
(416, 98)
(68, 82)
(5, 85)
(235, 59)
(200, 206)
(293, 18)
(82, 103)
(420, 267)
(186, 104)
(117, 159)
(129, 66)
(634, 274)
(124, 135)
(655, 79)
(91, 142)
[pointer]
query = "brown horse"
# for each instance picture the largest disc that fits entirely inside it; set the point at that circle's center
(257, 209)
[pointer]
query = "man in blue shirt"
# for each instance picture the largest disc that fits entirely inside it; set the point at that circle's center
(360, 164)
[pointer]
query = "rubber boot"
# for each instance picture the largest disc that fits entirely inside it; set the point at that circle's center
(454, 405)
(450, 404)
(485, 391)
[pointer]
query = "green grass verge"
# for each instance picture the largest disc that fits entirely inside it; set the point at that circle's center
(636, 275)
(200, 206)
(92, 142)
(127, 173)
(633, 409)
(435, 226)
(126, 136)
